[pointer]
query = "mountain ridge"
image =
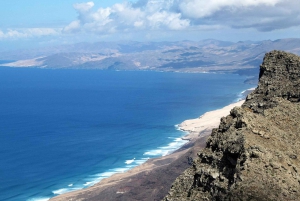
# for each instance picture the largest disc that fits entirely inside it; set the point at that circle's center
(182, 56)
(254, 153)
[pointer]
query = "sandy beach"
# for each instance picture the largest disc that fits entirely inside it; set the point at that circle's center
(155, 176)
(207, 121)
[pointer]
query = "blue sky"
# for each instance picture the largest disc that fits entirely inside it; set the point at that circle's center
(21, 13)
(36, 23)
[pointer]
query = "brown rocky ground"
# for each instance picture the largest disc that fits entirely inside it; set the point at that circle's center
(254, 154)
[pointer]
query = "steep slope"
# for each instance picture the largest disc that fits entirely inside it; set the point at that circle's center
(254, 154)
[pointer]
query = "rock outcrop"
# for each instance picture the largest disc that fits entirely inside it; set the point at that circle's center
(278, 77)
(254, 154)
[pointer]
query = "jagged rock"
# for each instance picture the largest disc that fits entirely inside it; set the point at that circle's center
(278, 77)
(254, 153)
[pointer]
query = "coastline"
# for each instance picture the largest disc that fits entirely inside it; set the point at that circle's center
(94, 145)
(122, 184)
(207, 121)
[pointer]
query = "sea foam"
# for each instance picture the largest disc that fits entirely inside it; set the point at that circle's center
(64, 190)
(128, 162)
(165, 150)
(39, 199)
(159, 103)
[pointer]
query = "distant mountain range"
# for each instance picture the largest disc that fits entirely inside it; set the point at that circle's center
(243, 57)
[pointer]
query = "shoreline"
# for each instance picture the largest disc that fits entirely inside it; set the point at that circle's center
(197, 129)
(207, 121)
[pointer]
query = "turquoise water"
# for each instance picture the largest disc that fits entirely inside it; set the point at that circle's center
(63, 130)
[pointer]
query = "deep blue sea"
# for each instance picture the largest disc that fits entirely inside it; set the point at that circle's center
(62, 130)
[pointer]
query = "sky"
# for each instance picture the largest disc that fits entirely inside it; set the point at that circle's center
(37, 23)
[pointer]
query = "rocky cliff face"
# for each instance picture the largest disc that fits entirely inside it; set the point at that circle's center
(254, 154)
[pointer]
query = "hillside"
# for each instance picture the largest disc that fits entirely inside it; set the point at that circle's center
(241, 57)
(254, 153)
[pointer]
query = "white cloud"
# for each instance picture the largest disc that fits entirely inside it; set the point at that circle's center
(83, 7)
(262, 15)
(177, 15)
(72, 27)
(101, 15)
(168, 18)
(28, 33)
(203, 8)
(127, 17)
(171, 21)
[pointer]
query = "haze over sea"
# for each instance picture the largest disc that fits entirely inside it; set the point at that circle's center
(63, 130)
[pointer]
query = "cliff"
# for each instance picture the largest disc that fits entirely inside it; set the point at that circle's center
(254, 153)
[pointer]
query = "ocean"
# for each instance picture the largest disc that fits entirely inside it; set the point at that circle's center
(63, 130)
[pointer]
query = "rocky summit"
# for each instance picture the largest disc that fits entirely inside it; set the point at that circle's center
(254, 154)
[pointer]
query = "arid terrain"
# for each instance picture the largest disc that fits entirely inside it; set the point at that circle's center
(254, 153)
